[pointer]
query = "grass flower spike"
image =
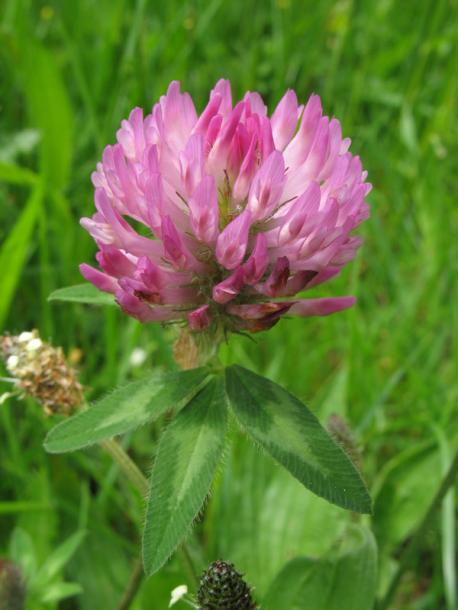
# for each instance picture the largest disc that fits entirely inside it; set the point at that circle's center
(12, 586)
(221, 219)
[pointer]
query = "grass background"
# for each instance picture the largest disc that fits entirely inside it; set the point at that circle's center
(69, 72)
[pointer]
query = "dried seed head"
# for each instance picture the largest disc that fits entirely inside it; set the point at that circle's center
(41, 371)
(223, 588)
(12, 586)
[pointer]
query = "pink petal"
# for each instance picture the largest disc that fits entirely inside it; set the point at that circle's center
(102, 281)
(150, 274)
(256, 103)
(133, 306)
(207, 115)
(335, 143)
(297, 282)
(229, 288)
(179, 115)
(154, 190)
(223, 89)
(305, 280)
(323, 276)
(276, 281)
(246, 172)
(284, 119)
(100, 231)
(131, 135)
(347, 251)
(267, 187)
(218, 156)
(123, 235)
(256, 264)
(297, 150)
(267, 145)
(173, 246)
(154, 285)
(238, 149)
(321, 307)
(213, 132)
(303, 208)
(199, 319)
(320, 149)
(256, 318)
(204, 210)
(192, 164)
(232, 243)
(114, 262)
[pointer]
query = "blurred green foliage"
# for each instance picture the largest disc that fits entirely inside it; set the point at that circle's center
(69, 72)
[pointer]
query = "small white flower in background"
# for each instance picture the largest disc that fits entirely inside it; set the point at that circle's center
(177, 594)
(34, 344)
(137, 357)
(25, 337)
(12, 363)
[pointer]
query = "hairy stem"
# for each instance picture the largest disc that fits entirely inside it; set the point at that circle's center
(189, 565)
(418, 537)
(133, 585)
(127, 465)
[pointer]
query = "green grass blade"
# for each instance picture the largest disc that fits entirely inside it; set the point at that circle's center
(448, 526)
(188, 455)
(50, 111)
(55, 592)
(15, 174)
(15, 249)
(59, 558)
(13, 507)
(293, 436)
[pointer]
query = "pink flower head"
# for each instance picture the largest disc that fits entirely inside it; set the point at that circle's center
(238, 212)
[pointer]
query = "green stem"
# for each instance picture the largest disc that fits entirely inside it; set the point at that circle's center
(418, 537)
(133, 585)
(189, 565)
(127, 465)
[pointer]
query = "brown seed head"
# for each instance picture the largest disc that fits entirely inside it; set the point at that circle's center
(41, 371)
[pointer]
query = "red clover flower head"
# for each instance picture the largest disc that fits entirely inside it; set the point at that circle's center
(220, 219)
